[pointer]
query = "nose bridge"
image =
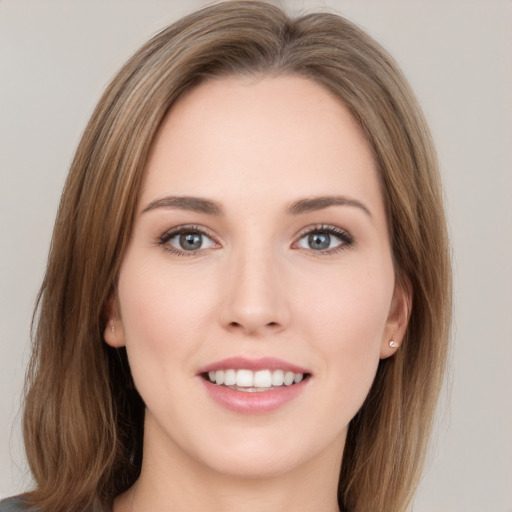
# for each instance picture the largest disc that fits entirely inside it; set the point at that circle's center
(255, 300)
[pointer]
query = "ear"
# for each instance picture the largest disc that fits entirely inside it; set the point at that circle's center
(398, 318)
(114, 332)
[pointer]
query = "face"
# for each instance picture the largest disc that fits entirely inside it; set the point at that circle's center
(257, 294)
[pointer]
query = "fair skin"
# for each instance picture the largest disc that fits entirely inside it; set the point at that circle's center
(262, 274)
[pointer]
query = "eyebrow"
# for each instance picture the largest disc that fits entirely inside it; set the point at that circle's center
(319, 203)
(209, 207)
(193, 204)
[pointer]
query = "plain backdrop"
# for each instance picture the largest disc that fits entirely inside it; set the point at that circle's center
(57, 56)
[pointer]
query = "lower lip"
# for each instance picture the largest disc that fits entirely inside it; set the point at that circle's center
(256, 402)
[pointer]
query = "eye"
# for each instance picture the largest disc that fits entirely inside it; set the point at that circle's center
(325, 239)
(186, 240)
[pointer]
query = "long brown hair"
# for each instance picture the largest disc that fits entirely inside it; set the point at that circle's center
(83, 419)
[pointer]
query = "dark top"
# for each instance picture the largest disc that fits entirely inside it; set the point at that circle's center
(14, 504)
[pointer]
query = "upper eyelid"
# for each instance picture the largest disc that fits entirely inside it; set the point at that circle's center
(188, 227)
(322, 227)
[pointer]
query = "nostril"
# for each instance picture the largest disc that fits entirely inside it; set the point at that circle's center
(241, 325)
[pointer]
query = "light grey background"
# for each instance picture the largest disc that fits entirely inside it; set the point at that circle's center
(57, 56)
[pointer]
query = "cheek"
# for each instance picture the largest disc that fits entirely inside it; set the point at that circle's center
(158, 306)
(160, 317)
(345, 320)
(352, 302)
(161, 314)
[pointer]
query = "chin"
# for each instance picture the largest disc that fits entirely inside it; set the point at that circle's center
(254, 466)
(266, 455)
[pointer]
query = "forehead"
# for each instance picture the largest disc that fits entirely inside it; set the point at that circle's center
(276, 137)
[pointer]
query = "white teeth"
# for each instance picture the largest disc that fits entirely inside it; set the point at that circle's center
(277, 378)
(260, 379)
(230, 378)
(263, 379)
(244, 378)
(288, 378)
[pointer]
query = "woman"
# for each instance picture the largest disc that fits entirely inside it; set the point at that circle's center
(247, 297)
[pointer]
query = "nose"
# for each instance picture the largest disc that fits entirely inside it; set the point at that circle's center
(255, 301)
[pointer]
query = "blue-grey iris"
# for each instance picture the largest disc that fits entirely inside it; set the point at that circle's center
(191, 241)
(319, 241)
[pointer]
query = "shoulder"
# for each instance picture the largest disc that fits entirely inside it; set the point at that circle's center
(14, 504)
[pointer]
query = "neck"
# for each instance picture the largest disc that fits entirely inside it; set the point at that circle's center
(173, 480)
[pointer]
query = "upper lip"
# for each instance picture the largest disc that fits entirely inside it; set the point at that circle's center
(262, 363)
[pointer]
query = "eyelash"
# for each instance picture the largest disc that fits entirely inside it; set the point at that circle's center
(346, 239)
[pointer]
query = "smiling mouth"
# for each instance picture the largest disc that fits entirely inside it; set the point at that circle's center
(254, 381)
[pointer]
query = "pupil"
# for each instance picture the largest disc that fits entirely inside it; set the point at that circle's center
(319, 240)
(190, 241)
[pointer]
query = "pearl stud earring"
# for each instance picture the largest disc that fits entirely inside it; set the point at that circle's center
(393, 344)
